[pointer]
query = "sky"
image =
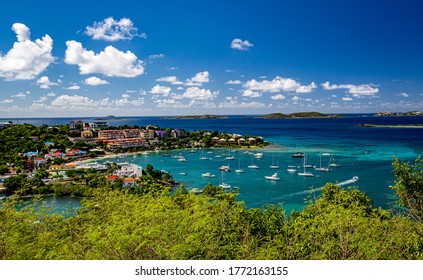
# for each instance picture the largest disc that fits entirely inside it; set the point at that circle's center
(160, 58)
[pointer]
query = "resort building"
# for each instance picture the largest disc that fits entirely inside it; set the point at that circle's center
(87, 134)
(98, 125)
(127, 143)
(129, 170)
(241, 141)
(147, 134)
(231, 141)
(215, 140)
(251, 140)
(177, 133)
(161, 134)
(72, 125)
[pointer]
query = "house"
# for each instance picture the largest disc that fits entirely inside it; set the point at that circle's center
(161, 134)
(34, 138)
(98, 125)
(222, 141)
(215, 140)
(72, 125)
(252, 140)
(87, 134)
(31, 154)
(54, 167)
(48, 144)
(40, 161)
(87, 127)
(129, 170)
(177, 133)
(241, 141)
(231, 141)
(129, 182)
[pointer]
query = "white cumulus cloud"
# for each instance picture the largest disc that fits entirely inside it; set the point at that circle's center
(110, 62)
(111, 30)
(170, 79)
(233, 82)
(198, 79)
(27, 59)
(279, 84)
(73, 87)
(278, 97)
(6, 101)
(354, 90)
(250, 93)
(45, 83)
(95, 81)
(238, 44)
(197, 93)
(162, 90)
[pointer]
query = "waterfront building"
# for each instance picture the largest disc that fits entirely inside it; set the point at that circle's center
(177, 133)
(98, 125)
(72, 125)
(127, 143)
(87, 134)
(129, 170)
(161, 134)
(147, 134)
(241, 141)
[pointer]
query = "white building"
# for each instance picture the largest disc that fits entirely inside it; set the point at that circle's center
(129, 170)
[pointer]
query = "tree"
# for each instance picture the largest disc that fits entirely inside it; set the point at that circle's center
(409, 186)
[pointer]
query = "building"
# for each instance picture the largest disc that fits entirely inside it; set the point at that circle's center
(147, 134)
(241, 141)
(129, 170)
(127, 143)
(177, 133)
(87, 134)
(72, 125)
(161, 134)
(98, 125)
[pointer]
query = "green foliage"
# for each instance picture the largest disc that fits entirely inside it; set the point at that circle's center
(409, 186)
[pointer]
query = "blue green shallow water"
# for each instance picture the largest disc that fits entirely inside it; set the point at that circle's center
(364, 152)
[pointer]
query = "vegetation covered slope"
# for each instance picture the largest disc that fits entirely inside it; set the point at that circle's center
(116, 224)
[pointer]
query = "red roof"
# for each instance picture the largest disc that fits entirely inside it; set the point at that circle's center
(40, 159)
(113, 177)
(129, 180)
(72, 122)
(79, 121)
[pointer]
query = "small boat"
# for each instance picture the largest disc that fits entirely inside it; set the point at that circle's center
(274, 165)
(304, 173)
(332, 163)
(166, 155)
(192, 151)
(210, 152)
(320, 168)
(183, 173)
(218, 156)
(145, 152)
(239, 170)
(225, 186)
(207, 175)
(202, 156)
(182, 159)
(258, 155)
(274, 177)
(230, 158)
(196, 190)
(253, 166)
(292, 169)
(225, 168)
(298, 155)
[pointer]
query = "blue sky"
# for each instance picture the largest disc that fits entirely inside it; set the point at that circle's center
(87, 58)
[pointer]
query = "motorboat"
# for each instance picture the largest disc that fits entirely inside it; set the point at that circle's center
(274, 177)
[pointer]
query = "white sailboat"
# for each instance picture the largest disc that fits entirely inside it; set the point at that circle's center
(320, 168)
(208, 174)
(332, 163)
(274, 177)
(223, 184)
(253, 166)
(239, 170)
(304, 173)
(274, 165)
(225, 168)
(292, 169)
(202, 155)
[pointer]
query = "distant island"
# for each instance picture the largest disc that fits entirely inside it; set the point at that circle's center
(108, 117)
(396, 114)
(392, 125)
(197, 117)
(298, 115)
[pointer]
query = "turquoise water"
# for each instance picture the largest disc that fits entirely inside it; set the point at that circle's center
(364, 152)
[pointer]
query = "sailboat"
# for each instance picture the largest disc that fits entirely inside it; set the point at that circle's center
(239, 170)
(304, 173)
(202, 155)
(274, 177)
(292, 169)
(297, 154)
(332, 163)
(320, 168)
(274, 165)
(224, 185)
(253, 166)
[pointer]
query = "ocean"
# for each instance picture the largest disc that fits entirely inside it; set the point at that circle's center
(366, 152)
